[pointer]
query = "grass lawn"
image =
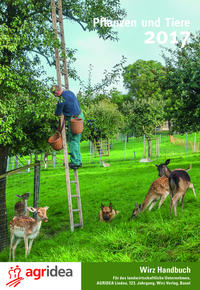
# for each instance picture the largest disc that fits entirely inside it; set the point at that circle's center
(152, 236)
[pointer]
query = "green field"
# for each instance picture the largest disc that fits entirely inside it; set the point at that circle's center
(152, 237)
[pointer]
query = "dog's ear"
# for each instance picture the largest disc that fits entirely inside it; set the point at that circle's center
(156, 165)
(167, 161)
(102, 206)
(110, 205)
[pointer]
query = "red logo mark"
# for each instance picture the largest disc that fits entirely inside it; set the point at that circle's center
(15, 275)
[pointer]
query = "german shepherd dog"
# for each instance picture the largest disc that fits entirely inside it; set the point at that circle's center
(107, 213)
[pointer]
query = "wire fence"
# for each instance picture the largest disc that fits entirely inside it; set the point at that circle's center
(23, 177)
(13, 183)
(119, 148)
(163, 146)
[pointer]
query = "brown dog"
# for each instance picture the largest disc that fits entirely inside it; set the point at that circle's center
(107, 213)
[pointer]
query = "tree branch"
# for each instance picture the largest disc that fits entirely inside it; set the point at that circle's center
(39, 52)
(76, 20)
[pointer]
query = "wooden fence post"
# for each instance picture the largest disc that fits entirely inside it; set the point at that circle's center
(194, 142)
(54, 159)
(186, 143)
(144, 148)
(16, 161)
(90, 151)
(13, 161)
(100, 152)
(36, 186)
(29, 162)
(125, 141)
(8, 163)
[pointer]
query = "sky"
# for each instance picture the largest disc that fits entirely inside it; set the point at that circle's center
(157, 23)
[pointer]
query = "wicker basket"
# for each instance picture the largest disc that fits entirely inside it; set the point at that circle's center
(76, 125)
(56, 141)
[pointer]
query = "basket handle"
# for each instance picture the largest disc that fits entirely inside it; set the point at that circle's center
(76, 117)
(60, 128)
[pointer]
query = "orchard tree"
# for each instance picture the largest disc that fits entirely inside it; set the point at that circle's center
(143, 116)
(25, 33)
(103, 120)
(145, 111)
(142, 79)
(26, 110)
(119, 99)
(123, 102)
(183, 82)
(90, 93)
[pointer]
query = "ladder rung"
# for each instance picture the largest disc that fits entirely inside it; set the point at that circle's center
(75, 195)
(74, 210)
(78, 225)
(73, 181)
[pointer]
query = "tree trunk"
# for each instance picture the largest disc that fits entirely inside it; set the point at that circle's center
(169, 124)
(4, 240)
(149, 148)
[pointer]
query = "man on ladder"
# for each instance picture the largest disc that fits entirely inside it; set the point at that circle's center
(64, 109)
(68, 105)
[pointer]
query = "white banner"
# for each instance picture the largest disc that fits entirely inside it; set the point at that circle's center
(25, 276)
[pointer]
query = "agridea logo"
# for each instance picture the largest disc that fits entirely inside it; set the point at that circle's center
(36, 273)
(49, 272)
(14, 274)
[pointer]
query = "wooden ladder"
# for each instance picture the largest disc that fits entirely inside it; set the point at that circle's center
(57, 20)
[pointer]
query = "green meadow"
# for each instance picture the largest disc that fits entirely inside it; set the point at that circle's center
(153, 236)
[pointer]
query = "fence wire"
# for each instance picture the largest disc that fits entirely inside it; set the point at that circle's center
(17, 182)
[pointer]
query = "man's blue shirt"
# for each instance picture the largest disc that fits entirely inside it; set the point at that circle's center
(68, 104)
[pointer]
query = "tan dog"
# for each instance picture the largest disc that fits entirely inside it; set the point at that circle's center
(107, 213)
